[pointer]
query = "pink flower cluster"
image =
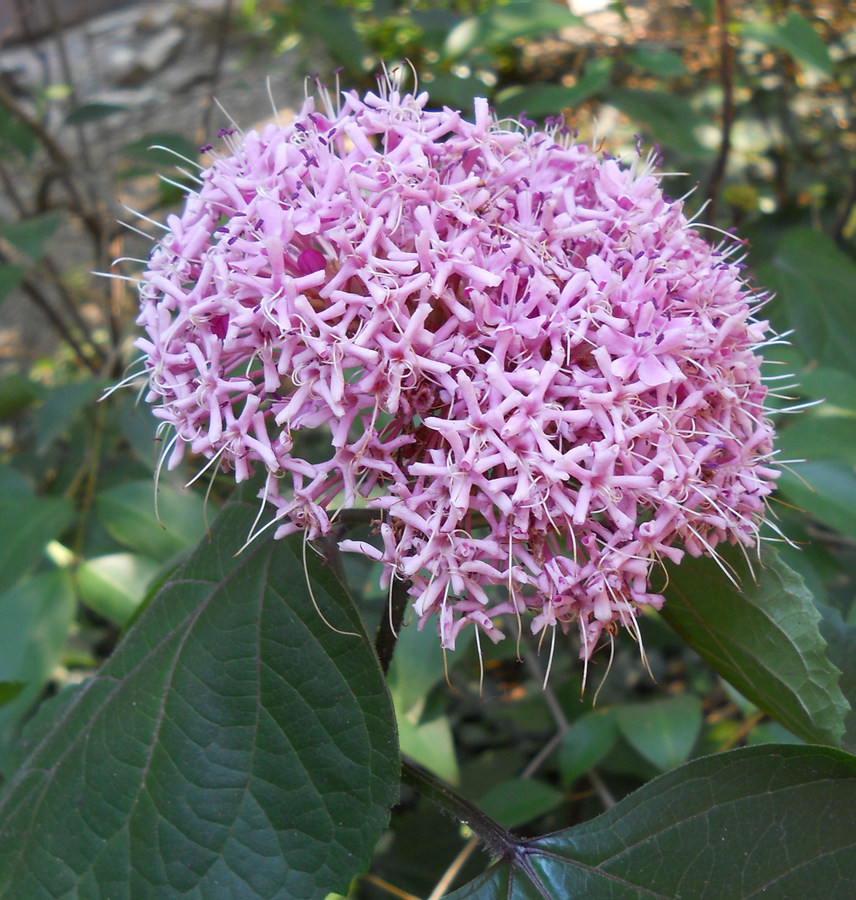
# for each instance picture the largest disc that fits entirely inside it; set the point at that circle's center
(531, 366)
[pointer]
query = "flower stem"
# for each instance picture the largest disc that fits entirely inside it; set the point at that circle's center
(390, 623)
(501, 843)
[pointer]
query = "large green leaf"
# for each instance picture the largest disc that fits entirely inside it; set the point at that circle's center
(235, 745)
(816, 282)
(764, 638)
(777, 821)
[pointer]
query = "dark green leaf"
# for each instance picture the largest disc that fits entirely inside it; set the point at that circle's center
(815, 280)
(30, 236)
(796, 37)
(668, 118)
(550, 99)
(93, 112)
(233, 746)
(27, 523)
(516, 801)
(776, 821)
(128, 513)
(764, 638)
(664, 731)
(500, 25)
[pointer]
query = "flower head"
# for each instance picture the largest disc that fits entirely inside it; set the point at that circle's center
(529, 363)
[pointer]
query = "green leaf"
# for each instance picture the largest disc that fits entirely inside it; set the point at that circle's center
(516, 801)
(587, 740)
(668, 118)
(815, 280)
(335, 27)
(836, 388)
(61, 406)
(500, 25)
(17, 392)
(550, 99)
(10, 278)
(662, 63)
(30, 236)
(819, 437)
(431, 744)
(415, 668)
(826, 489)
(705, 7)
(841, 638)
(161, 150)
(663, 731)
(128, 513)
(764, 638)
(797, 38)
(15, 135)
(36, 616)
(233, 746)
(115, 585)
(777, 821)
(9, 690)
(93, 112)
(27, 523)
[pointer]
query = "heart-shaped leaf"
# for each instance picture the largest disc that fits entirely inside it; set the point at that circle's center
(777, 821)
(235, 745)
(663, 731)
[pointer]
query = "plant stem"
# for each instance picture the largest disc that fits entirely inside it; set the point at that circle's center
(502, 844)
(390, 623)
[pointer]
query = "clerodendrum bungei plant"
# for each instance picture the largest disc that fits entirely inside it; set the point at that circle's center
(542, 387)
(531, 367)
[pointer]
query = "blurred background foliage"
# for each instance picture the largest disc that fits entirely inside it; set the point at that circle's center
(752, 106)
